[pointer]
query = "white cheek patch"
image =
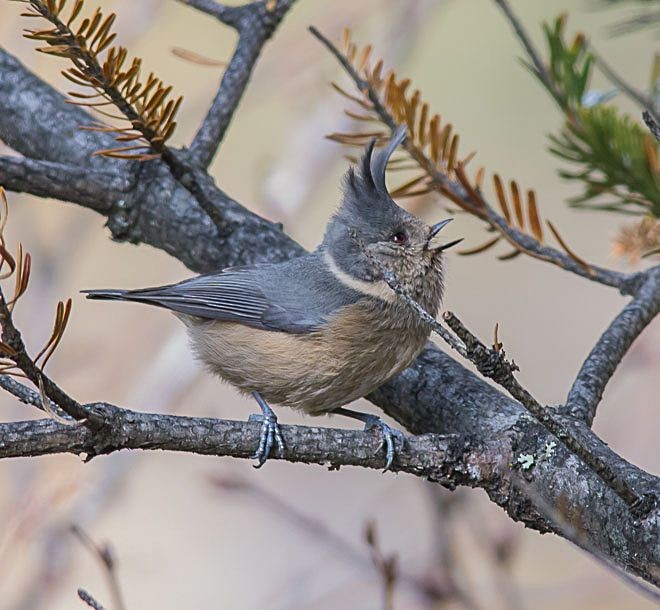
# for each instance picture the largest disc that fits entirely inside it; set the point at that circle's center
(379, 289)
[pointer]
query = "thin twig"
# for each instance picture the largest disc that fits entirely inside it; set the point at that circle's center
(12, 337)
(533, 54)
(314, 527)
(89, 600)
(652, 124)
(611, 347)
(645, 102)
(105, 557)
(387, 566)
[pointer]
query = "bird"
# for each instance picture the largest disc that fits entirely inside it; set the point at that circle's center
(321, 330)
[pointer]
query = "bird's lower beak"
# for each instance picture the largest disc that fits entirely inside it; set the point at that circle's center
(434, 244)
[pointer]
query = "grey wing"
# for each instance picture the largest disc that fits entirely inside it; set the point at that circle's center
(296, 296)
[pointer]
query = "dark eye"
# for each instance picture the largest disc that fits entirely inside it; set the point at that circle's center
(399, 238)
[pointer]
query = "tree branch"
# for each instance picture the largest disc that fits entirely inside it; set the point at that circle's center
(93, 189)
(611, 347)
(255, 23)
(432, 456)
(229, 15)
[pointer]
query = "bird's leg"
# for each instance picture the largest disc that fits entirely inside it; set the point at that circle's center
(270, 432)
(372, 422)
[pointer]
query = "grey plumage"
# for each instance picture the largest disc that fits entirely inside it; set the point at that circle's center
(321, 330)
(295, 296)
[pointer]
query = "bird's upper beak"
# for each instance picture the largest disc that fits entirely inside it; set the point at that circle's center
(433, 243)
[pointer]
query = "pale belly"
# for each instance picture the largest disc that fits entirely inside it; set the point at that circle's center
(317, 372)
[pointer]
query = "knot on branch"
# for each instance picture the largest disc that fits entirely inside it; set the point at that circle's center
(123, 216)
(493, 364)
(644, 506)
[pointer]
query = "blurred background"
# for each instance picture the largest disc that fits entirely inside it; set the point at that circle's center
(197, 532)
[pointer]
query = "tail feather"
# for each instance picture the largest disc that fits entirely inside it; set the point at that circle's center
(149, 296)
(106, 294)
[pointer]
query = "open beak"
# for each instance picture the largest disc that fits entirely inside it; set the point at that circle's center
(432, 243)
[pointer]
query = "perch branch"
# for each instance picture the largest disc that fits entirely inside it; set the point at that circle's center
(431, 456)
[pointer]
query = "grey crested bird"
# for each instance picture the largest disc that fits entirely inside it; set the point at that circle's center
(319, 331)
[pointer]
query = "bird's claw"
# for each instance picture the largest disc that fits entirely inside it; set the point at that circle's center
(270, 435)
(389, 435)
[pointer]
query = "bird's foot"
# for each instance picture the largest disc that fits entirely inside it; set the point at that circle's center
(390, 435)
(270, 432)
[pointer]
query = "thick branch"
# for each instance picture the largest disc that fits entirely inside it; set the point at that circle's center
(606, 355)
(93, 189)
(255, 23)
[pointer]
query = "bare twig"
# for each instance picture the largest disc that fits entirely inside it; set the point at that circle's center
(533, 54)
(317, 529)
(255, 23)
(641, 20)
(652, 124)
(387, 566)
(105, 556)
(89, 600)
(611, 347)
(645, 102)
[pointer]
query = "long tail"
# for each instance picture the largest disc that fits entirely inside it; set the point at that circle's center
(137, 296)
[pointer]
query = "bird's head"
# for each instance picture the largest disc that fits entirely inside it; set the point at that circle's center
(369, 226)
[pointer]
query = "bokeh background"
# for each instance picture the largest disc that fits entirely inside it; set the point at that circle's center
(196, 532)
